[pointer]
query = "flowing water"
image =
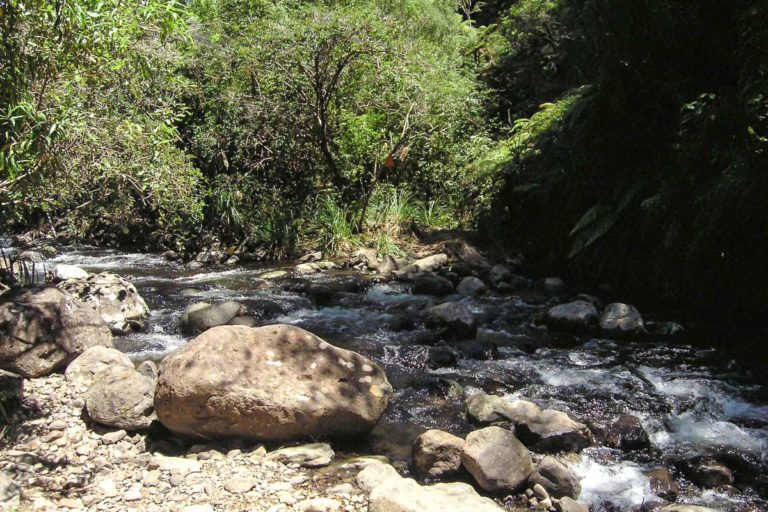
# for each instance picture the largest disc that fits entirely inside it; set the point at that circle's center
(691, 400)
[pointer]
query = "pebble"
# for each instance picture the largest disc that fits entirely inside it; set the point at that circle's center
(113, 437)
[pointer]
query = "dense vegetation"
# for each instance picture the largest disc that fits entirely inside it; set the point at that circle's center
(616, 141)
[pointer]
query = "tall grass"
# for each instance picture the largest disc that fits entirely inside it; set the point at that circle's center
(332, 226)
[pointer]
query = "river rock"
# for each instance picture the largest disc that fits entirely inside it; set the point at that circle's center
(663, 483)
(566, 504)
(389, 492)
(62, 272)
(209, 257)
(454, 319)
(487, 409)
(202, 316)
(121, 397)
(627, 433)
(365, 257)
(707, 472)
(576, 316)
(437, 454)
(427, 283)
(556, 478)
(499, 274)
(148, 369)
(93, 361)
(496, 460)
(116, 300)
(11, 389)
(388, 265)
(621, 320)
(44, 330)
(431, 263)
(553, 431)
(314, 267)
(680, 507)
(276, 382)
(8, 489)
(470, 285)
(314, 455)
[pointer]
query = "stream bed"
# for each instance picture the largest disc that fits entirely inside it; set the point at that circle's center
(692, 401)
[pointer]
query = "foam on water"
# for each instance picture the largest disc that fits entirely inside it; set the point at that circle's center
(622, 484)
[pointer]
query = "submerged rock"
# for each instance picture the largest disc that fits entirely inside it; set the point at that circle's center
(437, 454)
(117, 300)
(453, 318)
(276, 382)
(627, 433)
(470, 285)
(663, 483)
(202, 316)
(707, 472)
(43, 331)
(577, 316)
(621, 320)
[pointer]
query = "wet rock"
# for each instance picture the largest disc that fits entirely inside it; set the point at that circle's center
(556, 478)
(470, 286)
(63, 272)
(568, 505)
(477, 349)
(664, 328)
(453, 318)
(117, 300)
(311, 256)
(121, 397)
(431, 263)
(437, 454)
(247, 321)
(577, 316)
(209, 257)
(44, 330)
(389, 492)
(367, 258)
(314, 267)
(431, 284)
(679, 507)
(273, 274)
(496, 459)
(487, 409)
(232, 260)
(663, 483)
(93, 361)
(276, 382)
(706, 472)
(200, 317)
(627, 433)
(554, 285)
(309, 455)
(621, 320)
(499, 274)
(553, 431)
(441, 357)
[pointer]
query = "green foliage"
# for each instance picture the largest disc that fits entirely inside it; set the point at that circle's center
(333, 226)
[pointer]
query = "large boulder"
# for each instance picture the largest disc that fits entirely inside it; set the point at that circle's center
(454, 320)
(556, 478)
(621, 320)
(121, 397)
(437, 454)
(497, 460)
(276, 382)
(499, 274)
(63, 272)
(44, 330)
(428, 283)
(389, 492)
(202, 316)
(576, 316)
(116, 300)
(470, 285)
(93, 361)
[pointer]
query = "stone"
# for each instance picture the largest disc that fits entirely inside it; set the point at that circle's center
(232, 260)
(566, 504)
(556, 478)
(487, 409)
(621, 320)
(554, 284)
(679, 507)
(553, 431)
(148, 369)
(276, 383)
(388, 265)
(308, 455)
(707, 472)
(454, 320)
(108, 488)
(389, 492)
(496, 460)
(121, 397)
(314, 267)
(87, 365)
(437, 454)
(663, 483)
(240, 485)
(209, 257)
(117, 300)
(470, 285)
(627, 433)
(11, 389)
(319, 505)
(431, 263)
(42, 331)
(199, 508)
(431, 284)
(8, 488)
(540, 492)
(577, 316)
(174, 464)
(113, 437)
(498, 275)
(202, 316)
(273, 274)
(63, 272)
